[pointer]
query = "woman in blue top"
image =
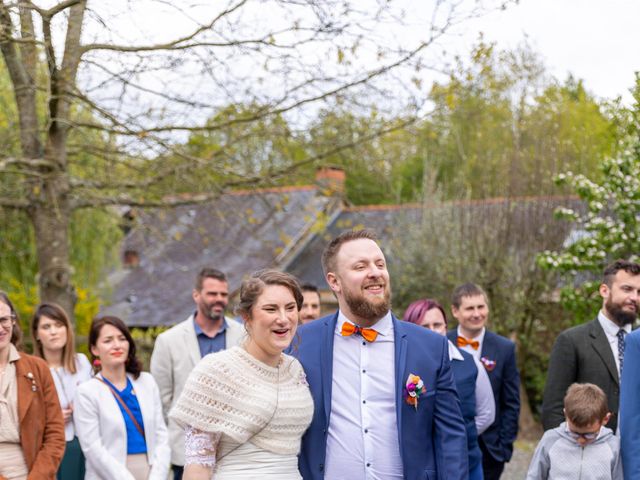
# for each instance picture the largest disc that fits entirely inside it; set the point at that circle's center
(472, 382)
(118, 413)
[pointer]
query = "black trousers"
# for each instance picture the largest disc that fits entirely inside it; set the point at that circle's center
(177, 472)
(491, 468)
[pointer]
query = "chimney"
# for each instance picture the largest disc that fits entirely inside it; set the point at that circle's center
(131, 259)
(331, 179)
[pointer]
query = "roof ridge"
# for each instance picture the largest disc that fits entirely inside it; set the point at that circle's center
(283, 189)
(482, 201)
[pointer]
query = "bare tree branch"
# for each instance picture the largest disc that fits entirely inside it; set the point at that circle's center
(173, 45)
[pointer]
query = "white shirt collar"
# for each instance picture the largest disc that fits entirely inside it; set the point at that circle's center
(454, 353)
(384, 326)
(609, 326)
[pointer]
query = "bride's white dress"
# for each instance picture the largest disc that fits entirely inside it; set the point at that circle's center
(251, 462)
(235, 462)
(243, 418)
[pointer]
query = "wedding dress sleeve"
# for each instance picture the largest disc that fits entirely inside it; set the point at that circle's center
(200, 447)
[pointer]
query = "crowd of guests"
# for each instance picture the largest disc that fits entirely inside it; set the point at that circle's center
(357, 394)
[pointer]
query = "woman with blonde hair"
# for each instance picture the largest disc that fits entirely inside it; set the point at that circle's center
(31, 425)
(245, 409)
(54, 342)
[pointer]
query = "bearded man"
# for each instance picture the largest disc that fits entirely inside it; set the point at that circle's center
(594, 352)
(177, 350)
(385, 403)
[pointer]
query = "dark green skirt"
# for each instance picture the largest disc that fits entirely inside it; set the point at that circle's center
(72, 466)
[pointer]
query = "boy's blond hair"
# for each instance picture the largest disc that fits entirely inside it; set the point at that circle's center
(585, 404)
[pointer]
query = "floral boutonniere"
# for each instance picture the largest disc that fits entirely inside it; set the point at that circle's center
(30, 376)
(488, 364)
(413, 389)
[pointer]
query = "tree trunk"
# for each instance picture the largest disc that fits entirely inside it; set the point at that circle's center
(50, 217)
(50, 213)
(528, 428)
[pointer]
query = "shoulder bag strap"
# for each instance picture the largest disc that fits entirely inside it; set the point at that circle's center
(124, 406)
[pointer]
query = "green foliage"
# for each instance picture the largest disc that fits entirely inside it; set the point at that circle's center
(493, 244)
(609, 226)
(25, 300)
(244, 145)
(608, 229)
(94, 233)
(385, 170)
(145, 339)
(502, 128)
(95, 237)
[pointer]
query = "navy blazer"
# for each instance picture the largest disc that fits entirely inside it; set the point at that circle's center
(433, 440)
(630, 408)
(465, 374)
(505, 382)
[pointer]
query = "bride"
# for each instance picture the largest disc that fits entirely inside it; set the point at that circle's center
(245, 409)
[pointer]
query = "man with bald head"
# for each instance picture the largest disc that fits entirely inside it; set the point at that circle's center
(385, 403)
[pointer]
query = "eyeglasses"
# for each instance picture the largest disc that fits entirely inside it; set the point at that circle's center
(586, 435)
(6, 321)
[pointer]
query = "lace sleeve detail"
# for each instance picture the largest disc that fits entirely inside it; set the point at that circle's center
(200, 447)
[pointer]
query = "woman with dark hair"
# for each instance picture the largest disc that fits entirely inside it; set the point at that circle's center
(471, 379)
(31, 425)
(118, 413)
(245, 409)
(54, 342)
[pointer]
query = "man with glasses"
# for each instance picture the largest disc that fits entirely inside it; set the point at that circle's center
(581, 447)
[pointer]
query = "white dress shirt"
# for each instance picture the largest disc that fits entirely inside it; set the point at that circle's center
(362, 442)
(611, 331)
(66, 386)
(485, 403)
(469, 349)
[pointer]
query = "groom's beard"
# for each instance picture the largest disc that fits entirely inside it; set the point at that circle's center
(367, 309)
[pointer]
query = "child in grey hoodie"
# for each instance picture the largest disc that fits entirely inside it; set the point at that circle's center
(581, 448)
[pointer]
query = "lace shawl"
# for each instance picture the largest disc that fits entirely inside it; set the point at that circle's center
(232, 393)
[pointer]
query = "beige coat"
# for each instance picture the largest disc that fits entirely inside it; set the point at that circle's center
(175, 353)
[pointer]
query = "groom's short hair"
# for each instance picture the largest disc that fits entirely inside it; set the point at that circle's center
(332, 249)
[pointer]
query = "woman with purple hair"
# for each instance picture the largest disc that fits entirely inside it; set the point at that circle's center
(471, 379)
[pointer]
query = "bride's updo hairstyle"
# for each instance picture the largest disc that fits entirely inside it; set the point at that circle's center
(253, 287)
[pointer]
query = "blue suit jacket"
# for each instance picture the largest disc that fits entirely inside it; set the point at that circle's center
(465, 374)
(630, 408)
(505, 382)
(433, 440)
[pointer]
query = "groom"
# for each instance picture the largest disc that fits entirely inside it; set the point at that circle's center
(385, 403)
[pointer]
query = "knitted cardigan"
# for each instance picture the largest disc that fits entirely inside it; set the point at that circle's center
(232, 393)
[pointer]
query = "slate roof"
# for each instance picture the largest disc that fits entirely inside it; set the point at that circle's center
(239, 233)
(285, 228)
(531, 220)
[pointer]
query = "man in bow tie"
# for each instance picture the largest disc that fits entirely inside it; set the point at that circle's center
(470, 306)
(385, 403)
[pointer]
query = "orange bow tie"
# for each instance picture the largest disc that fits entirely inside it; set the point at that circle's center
(463, 342)
(369, 334)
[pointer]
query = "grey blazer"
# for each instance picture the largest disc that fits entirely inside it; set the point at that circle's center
(581, 354)
(175, 353)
